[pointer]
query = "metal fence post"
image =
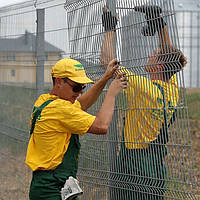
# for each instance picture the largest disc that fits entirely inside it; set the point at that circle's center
(40, 51)
(198, 47)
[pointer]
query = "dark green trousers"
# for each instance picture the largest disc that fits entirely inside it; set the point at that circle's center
(45, 185)
(139, 174)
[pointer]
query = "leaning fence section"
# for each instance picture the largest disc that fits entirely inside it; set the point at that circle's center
(100, 154)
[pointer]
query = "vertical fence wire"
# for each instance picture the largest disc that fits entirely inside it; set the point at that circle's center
(189, 41)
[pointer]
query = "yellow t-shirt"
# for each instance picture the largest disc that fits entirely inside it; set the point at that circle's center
(53, 130)
(145, 113)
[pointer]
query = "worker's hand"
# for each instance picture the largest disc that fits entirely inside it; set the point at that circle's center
(118, 84)
(112, 68)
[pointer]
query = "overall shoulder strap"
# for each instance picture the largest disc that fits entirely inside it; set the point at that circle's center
(163, 136)
(172, 119)
(164, 102)
(36, 113)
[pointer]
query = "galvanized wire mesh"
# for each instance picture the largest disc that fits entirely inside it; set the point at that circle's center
(86, 37)
(18, 61)
(82, 38)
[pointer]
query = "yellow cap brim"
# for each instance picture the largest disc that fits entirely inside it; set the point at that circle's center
(81, 80)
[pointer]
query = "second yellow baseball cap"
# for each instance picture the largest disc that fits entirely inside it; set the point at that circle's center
(72, 69)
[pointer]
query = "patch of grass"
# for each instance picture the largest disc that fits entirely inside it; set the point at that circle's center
(193, 101)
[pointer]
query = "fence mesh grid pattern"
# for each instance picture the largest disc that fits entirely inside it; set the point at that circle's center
(74, 28)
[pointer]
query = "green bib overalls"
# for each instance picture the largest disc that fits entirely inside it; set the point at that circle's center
(141, 173)
(47, 184)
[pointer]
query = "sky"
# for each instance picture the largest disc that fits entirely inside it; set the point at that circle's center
(9, 2)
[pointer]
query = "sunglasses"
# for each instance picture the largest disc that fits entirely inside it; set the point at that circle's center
(75, 88)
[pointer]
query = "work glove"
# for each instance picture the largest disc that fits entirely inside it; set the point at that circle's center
(154, 21)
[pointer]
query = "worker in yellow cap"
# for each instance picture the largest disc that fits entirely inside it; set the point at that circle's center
(58, 119)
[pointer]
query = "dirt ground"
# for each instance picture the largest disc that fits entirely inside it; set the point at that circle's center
(195, 134)
(14, 176)
(194, 110)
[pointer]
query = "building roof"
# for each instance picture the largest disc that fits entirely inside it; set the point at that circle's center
(24, 43)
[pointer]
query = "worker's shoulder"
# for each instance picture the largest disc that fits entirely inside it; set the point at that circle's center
(56, 101)
(64, 103)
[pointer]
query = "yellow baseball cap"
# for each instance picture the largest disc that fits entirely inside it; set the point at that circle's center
(72, 69)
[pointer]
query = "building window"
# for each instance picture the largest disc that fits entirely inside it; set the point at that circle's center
(46, 57)
(13, 72)
(11, 57)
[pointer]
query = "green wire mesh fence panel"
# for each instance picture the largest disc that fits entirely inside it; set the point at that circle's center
(18, 61)
(17, 26)
(147, 153)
